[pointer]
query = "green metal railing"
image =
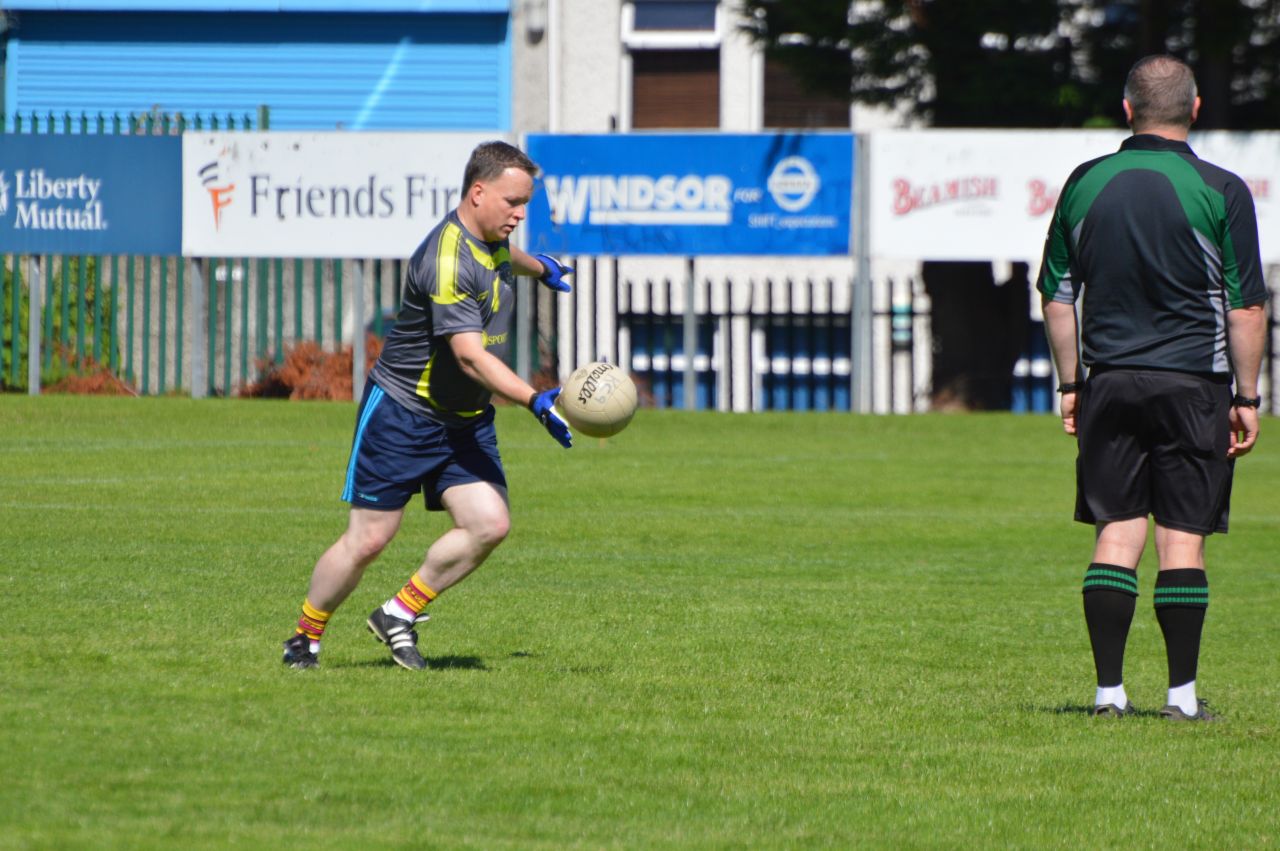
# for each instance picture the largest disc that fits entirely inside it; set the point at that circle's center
(147, 123)
(120, 314)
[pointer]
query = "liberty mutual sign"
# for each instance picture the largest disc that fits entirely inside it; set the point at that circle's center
(40, 202)
(89, 194)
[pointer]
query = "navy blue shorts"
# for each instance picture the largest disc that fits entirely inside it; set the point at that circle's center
(396, 453)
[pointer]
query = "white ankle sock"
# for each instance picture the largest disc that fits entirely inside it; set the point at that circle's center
(1111, 694)
(1184, 697)
(395, 609)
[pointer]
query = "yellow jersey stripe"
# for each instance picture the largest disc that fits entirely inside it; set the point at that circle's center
(487, 260)
(447, 267)
(424, 390)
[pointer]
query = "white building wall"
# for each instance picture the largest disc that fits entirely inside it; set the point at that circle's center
(530, 93)
(586, 52)
(741, 76)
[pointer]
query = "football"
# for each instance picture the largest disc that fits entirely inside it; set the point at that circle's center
(598, 399)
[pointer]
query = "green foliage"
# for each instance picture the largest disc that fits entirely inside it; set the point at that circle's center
(11, 277)
(70, 332)
(713, 631)
(1234, 48)
(1031, 63)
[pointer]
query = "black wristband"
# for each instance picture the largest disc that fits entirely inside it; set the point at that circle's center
(532, 399)
(1070, 386)
(1238, 401)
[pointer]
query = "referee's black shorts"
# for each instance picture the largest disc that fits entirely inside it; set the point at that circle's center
(1154, 442)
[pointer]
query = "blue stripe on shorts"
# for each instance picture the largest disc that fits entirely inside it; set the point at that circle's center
(371, 403)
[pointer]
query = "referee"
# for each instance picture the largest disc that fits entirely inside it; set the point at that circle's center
(1164, 248)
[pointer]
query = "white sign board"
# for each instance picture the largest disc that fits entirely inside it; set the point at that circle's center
(972, 194)
(269, 194)
(1255, 157)
(987, 194)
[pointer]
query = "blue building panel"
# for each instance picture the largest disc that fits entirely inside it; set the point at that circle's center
(441, 71)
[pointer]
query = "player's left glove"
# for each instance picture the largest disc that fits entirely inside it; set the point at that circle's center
(543, 406)
(554, 273)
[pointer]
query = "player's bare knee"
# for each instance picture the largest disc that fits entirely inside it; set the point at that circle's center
(492, 532)
(365, 545)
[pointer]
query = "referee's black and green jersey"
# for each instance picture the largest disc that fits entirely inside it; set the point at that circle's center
(1163, 245)
(456, 282)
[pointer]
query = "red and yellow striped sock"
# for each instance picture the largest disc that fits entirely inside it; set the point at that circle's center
(414, 596)
(313, 621)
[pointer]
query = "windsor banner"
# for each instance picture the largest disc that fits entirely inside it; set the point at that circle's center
(688, 194)
(90, 194)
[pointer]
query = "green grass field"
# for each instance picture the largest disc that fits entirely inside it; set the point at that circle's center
(714, 631)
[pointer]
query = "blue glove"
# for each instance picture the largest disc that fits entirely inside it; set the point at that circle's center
(543, 406)
(553, 273)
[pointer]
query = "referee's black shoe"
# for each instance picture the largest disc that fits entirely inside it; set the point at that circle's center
(1110, 710)
(400, 636)
(1202, 713)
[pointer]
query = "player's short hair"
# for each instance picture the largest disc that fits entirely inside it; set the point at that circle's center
(1161, 90)
(490, 159)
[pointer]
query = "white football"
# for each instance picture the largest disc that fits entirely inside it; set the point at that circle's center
(598, 399)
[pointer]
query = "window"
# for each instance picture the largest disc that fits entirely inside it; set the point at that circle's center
(675, 88)
(672, 68)
(673, 15)
(787, 104)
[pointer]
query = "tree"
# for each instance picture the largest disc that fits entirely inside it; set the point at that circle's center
(1233, 45)
(1026, 63)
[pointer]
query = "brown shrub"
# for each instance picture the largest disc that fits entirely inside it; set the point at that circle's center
(309, 372)
(84, 375)
(93, 380)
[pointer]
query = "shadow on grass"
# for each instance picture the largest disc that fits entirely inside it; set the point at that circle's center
(1086, 709)
(436, 663)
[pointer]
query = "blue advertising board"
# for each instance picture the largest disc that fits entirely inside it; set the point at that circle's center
(785, 193)
(90, 194)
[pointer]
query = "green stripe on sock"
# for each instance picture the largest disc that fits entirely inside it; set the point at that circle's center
(1132, 588)
(1097, 577)
(1182, 597)
(1112, 574)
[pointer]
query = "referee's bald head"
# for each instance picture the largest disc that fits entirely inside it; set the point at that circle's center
(1161, 91)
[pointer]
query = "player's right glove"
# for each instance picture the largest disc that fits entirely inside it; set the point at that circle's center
(543, 406)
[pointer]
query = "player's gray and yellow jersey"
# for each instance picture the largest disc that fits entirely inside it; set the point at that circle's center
(1164, 245)
(455, 283)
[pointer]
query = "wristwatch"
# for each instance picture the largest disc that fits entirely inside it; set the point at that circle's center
(1070, 386)
(1238, 401)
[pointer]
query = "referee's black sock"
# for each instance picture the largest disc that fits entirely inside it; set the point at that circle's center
(1110, 596)
(1181, 599)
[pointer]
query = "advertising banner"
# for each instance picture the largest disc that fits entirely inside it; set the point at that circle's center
(1255, 157)
(256, 194)
(983, 194)
(692, 194)
(972, 194)
(90, 194)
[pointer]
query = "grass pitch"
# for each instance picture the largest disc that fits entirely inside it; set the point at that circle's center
(712, 631)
